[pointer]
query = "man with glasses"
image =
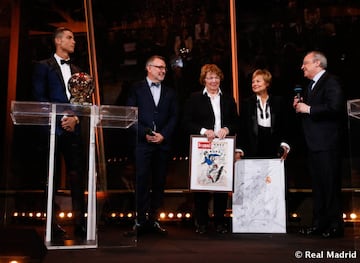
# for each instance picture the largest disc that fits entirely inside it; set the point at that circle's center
(157, 117)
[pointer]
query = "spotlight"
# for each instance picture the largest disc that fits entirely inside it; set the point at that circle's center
(179, 215)
(162, 215)
(294, 217)
(353, 216)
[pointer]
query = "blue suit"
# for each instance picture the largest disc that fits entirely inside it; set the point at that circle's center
(152, 159)
(49, 86)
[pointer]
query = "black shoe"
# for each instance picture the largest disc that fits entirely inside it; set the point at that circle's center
(201, 229)
(310, 231)
(221, 229)
(155, 227)
(80, 231)
(333, 232)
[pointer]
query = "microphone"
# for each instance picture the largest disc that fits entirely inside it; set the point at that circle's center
(298, 91)
(149, 131)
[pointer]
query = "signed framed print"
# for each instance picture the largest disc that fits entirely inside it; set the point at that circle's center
(211, 164)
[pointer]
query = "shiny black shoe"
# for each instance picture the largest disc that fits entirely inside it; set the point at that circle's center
(221, 229)
(310, 231)
(333, 232)
(158, 229)
(201, 229)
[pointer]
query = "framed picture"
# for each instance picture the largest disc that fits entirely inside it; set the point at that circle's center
(211, 164)
(258, 201)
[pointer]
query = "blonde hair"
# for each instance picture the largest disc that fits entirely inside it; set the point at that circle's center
(265, 74)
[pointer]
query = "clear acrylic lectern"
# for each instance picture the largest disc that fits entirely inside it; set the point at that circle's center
(353, 108)
(47, 114)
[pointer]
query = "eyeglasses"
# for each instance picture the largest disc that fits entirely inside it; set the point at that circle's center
(213, 78)
(159, 67)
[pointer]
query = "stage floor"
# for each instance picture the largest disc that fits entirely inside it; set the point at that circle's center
(183, 245)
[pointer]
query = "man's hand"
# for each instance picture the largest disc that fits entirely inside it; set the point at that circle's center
(155, 138)
(68, 123)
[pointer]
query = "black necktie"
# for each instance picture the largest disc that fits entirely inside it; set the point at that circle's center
(311, 83)
(157, 85)
(63, 61)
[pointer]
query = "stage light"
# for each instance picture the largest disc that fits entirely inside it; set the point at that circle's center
(162, 215)
(344, 216)
(113, 215)
(187, 215)
(16, 214)
(31, 214)
(61, 214)
(294, 215)
(171, 215)
(353, 216)
(121, 215)
(129, 215)
(38, 214)
(69, 215)
(179, 215)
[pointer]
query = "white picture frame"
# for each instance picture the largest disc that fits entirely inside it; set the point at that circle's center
(258, 201)
(211, 164)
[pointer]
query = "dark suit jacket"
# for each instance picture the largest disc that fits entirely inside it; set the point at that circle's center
(198, 113)
(322, 127)
(248, 131)
(164, 115)
(48, 83)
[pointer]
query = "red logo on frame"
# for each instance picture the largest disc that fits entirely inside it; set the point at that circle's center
(204, 145)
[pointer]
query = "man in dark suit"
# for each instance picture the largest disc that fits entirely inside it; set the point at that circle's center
(210, 113)
(321, 111)
(50, 81)
(157, 118)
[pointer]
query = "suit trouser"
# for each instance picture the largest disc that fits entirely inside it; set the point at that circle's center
(325, 171)
(151, 168)
(70, 145)
(201, 200)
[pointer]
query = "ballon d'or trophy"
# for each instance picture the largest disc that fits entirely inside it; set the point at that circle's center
(81, 87)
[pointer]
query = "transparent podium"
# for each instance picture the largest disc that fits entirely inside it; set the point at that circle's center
(353, 108)
(92, 120)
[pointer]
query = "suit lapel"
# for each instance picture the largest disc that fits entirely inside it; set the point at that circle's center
(253, 110)
(273, 112)
(54, 65)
